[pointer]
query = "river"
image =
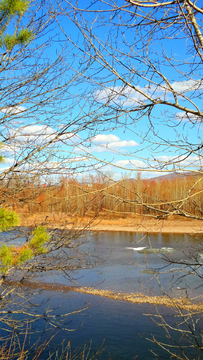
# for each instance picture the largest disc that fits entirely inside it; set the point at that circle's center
(127, 263)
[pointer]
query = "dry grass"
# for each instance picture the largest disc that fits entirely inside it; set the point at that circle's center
(182, 303)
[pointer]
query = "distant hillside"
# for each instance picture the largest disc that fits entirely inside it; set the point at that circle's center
(170, 176)
(174, 175)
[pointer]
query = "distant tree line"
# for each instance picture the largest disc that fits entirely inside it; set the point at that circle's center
(160, 197)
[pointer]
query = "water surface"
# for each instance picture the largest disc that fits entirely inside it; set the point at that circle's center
(126, 262)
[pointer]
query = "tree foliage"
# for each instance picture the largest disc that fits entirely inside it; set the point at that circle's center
(11, 256)
(10, 9)
(8, 219)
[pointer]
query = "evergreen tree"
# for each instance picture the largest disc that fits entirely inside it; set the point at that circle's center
(9, 10)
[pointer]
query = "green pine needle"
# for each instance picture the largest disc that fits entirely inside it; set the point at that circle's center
(40, 237)
(8, 219)
(13, 7)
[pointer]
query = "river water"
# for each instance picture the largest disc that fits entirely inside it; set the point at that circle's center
(129, 263)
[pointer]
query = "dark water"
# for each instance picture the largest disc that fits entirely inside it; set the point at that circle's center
(129, 262)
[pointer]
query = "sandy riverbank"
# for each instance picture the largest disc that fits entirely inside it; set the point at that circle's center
(175, 224)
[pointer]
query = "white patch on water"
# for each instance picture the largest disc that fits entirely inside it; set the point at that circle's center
(137, 248)
(151, 250)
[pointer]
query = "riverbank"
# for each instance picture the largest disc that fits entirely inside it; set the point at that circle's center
(138, 223)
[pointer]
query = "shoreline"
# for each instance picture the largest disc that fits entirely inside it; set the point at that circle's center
(150, 229)
(137, 224)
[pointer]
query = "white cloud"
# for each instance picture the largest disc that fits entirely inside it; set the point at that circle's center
(131, 164)
(97, 149)
(36, 129)
(101, 138)
(64, 167)
(124, 143)
(165, 158)
(113, 146)
(9, 161)
(187, 85)
(13, 110)
(37, 134)
(183, 116)
(179, 162)
(77, 159)
(128, 96)
(123, 95)
(29, 132)
(110, 142)
(9, 149)
(162, 162)
(190, 162)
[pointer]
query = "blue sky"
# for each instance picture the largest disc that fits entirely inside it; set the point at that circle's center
(105, 132)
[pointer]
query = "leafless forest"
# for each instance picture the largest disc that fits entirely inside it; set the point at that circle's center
(178, 194)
